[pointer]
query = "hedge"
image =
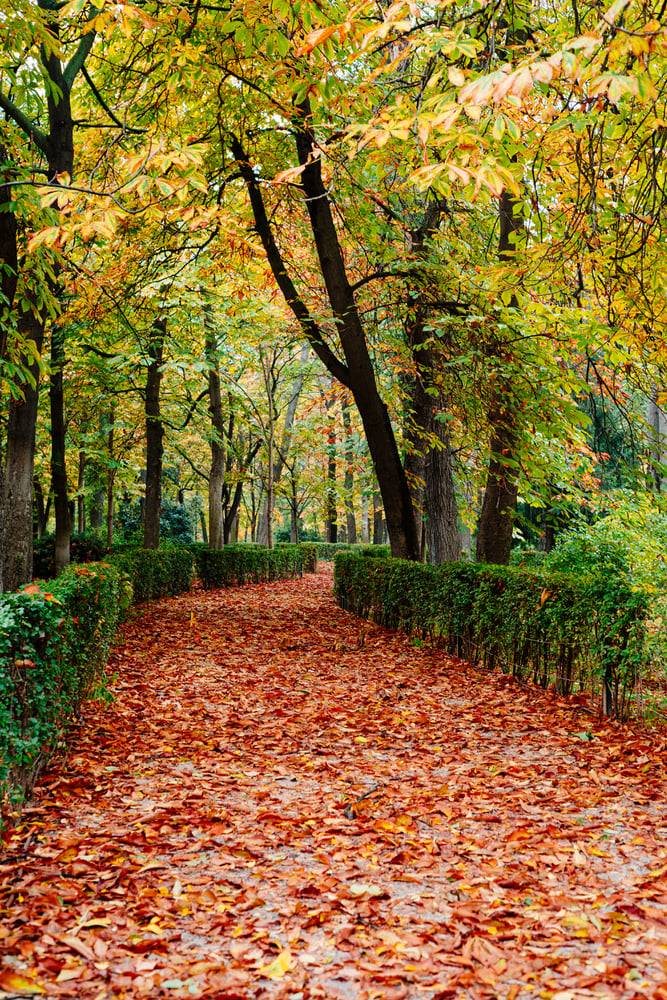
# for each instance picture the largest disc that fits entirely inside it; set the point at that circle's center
(551, 628)
(156, 573)
(54, 642)
(326, 551)
(240, 564)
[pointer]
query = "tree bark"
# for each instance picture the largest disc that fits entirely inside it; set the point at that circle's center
(111, 476)
(350, 521)
(356, 372)
(443, 538)
(216, 478)
(19, 466)
(496, 521)
(58, 466)
(285, 443)
(154, 436)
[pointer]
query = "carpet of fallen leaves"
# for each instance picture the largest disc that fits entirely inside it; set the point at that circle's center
(284, 801)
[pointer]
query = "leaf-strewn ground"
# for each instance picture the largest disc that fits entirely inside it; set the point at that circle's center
(284, 801)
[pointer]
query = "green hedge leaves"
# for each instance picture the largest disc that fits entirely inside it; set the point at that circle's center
(551, 628)
(54, 642)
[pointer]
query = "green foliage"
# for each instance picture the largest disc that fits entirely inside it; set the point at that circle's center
(327, 550)
(84, 548)
(156, 573)
(308, 557)
(176, 521)
(551, 628)
(53, 645)
(240, 564)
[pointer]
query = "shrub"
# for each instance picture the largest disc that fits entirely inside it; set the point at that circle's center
(156, 573)
(84, 548)
(240, 564)
(53, 644)
(327, 550)
(555, 629)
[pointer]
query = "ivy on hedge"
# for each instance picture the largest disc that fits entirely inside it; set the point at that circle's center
(551, 628)
(54, 642)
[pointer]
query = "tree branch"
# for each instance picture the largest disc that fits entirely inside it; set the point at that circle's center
(277, 264)
(78, 59)
(103, 104)
(24, 123)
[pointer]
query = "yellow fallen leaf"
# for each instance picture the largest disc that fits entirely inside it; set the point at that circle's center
(277, 968)
(361, 739)
(95, 922)
(12, 982)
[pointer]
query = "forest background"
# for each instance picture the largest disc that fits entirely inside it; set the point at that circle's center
(334, 270)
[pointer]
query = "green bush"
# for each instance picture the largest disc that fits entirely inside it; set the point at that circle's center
(156, 573)
(554, 629)
(240, 564)
(308, 556)
(53, 644)
(84, 548)
(326, 551)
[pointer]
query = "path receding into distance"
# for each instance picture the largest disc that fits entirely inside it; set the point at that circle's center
(286, 802)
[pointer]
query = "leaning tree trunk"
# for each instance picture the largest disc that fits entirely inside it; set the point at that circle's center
(496, 520)
(356, 370)
(154, 436)
(17, 528)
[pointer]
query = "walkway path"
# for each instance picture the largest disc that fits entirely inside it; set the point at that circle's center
(284, 802)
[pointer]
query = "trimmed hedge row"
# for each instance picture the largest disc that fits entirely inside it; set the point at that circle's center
(553, 629)
(54, 642)
(156, 573)
(240, 564)
(326, 551)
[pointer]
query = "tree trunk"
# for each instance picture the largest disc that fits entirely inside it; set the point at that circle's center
(216, 478)
(356, 373)
(154, 436)
(80, 496)
(378, 519)
(111, 476)
(330, 511)
(496, 520)
(285, 443)
(41, 507)
(350, 521)
(19, 466)
(658, 424)
(442, 526)
(58, 466)
(8, 251)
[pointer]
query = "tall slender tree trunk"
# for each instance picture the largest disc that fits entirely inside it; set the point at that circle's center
(80, 496)
(350, 521)
(216, 476)
(111, 476)
(285, 443)
(58, 466)
(19, 465)
(154, 437)
(356, 371)
(270, 443)
(496, 521)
